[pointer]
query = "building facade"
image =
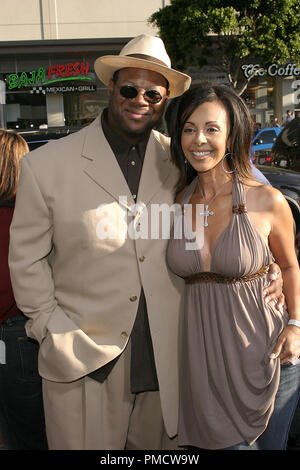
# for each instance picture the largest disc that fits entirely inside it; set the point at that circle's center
(269, 94)
(47, 54)
(52, 82)
(29, 20)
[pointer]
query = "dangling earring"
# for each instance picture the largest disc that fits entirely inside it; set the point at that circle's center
(227, 171)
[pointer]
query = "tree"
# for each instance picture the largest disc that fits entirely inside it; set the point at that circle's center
(194, 31)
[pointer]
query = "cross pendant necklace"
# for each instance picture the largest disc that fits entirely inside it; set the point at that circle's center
(207, 212)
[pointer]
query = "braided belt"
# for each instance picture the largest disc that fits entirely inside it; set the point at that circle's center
(220, 279)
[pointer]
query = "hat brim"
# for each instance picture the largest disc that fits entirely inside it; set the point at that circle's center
(106, 66)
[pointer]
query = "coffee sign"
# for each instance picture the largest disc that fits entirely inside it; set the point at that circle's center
(272, 70)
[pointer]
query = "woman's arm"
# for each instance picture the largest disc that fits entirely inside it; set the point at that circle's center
(282, 244)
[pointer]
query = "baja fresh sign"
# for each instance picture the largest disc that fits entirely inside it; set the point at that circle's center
(272, 70)
(56, 73)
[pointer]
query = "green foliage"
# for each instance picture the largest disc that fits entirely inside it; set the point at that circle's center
(194, 31)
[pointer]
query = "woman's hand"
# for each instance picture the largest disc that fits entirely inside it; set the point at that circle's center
(288, 345)
(274, 290)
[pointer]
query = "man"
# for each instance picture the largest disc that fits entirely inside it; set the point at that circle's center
(103, 304)
(288, 117)
(275, 122)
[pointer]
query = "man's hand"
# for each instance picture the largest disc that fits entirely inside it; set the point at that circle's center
(274, 290)
(288, 345)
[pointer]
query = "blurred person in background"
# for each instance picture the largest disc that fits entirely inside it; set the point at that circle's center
(275, 122)
(21, 407)
(289, 116)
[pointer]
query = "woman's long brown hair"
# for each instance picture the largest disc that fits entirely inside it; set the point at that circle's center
(241, 128)
(12, 148)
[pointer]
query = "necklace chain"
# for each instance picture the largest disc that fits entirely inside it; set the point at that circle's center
(207, 212)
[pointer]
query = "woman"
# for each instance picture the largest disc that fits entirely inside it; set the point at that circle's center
(234, 392)
(21, 407)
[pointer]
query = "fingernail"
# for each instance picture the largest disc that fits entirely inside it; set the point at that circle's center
(272, 356)
(273, 276)
(267, 300)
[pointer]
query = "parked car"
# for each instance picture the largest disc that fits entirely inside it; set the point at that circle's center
(286, 149)
(37, 138)
(288, 182)
(263, 157)
(264, 140)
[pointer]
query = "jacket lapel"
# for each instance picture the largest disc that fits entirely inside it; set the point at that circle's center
(156, 169)
(101, 165)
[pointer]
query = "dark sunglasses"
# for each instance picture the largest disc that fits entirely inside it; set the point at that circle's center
(129, 92)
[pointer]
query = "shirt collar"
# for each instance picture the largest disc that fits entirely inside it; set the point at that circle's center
(119, 145)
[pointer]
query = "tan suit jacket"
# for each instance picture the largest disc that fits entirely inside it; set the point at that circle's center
(75, 272)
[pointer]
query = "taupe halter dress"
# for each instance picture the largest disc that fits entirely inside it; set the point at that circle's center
(228, 383)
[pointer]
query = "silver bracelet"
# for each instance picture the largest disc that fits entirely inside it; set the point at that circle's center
(294, 322)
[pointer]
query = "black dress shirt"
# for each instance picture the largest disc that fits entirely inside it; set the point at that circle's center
(142, 371)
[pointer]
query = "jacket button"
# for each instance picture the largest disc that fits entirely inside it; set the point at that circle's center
(142, 258)
(133, 298)
(124, 334)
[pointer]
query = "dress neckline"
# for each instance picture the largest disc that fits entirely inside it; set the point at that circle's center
(238, 200)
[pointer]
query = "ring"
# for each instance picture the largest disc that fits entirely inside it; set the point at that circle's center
(294, 360)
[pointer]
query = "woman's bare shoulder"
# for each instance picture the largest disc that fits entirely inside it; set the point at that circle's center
(265, 196)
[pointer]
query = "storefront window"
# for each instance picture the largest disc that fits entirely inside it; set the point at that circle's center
(25, 110)
(259, 97)
(82, 108)
(58, 93)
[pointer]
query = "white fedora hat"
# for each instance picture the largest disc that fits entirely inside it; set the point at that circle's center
(143, 52)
